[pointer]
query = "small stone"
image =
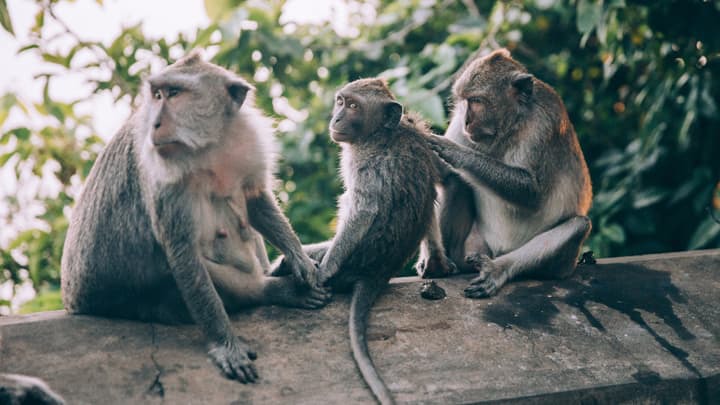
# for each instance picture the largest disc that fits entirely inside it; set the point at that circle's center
(431, 291)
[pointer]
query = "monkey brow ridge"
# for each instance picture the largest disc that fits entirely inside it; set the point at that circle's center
(173, 79)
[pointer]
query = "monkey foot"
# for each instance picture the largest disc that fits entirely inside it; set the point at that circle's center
(234, 358)
(435, 267)
(310, 298)
(488, 282)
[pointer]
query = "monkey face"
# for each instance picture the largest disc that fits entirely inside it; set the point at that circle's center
(480, 119)
(495, 90)
(189, 107)
(362, 108)
(348, 120)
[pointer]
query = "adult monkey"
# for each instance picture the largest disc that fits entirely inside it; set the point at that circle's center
(520, 202)
(389, 174)
(170, 224)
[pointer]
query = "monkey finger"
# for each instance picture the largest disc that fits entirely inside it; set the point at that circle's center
(253, 372)
(481, 289)
(226, 369)
(312, 303)
(452, 267)
(244, 347)
(243, 369)
(251, 354)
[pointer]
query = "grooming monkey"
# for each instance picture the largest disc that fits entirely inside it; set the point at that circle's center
(389, 174)
(520, 200)
(171, 222)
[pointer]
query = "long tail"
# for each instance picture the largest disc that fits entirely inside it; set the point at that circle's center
(364, 296)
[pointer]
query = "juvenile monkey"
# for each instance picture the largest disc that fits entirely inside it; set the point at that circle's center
(520, 200)
(171, 222)
(389, 174)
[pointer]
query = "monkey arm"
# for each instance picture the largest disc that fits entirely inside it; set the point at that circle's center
(175, 232)
(267, 218)
(515, 184)
(347, 239)
(174, 225)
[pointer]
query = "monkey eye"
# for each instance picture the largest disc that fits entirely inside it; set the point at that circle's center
(172, 92)
(476, 104)
(340, 102)
(157, 94)
(354, 106)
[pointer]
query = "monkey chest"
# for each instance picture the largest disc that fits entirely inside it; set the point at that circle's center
(226, 236)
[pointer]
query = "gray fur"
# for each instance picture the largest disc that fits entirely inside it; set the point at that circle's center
(384, 214)
(521, 193)
(389, 174)
(18, 389)
(176, 236)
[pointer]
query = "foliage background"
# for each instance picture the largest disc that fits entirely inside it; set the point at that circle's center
(636, 77)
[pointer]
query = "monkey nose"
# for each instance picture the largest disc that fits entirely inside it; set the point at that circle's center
(157, 124)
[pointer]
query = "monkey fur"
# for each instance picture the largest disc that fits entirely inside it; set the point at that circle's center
(519, 200)
(170, 224)
(389, 175)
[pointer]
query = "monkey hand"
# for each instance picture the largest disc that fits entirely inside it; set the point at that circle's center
(435, 266)
(447, 150)
(305, 270)
(490, 280)
(234, 358)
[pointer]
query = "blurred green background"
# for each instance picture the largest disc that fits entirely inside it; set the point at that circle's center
(639, 79)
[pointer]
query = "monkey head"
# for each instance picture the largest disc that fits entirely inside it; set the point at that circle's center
(363, 108)
(189, 104)
(493, 92)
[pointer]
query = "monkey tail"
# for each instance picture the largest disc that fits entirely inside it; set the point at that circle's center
(364, 295)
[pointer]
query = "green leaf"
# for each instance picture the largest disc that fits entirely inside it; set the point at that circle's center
(614, 233)
(704, 234)
(56, 59)
(588, 15)
(27, 48)
(5, 18)
(218, 9)
(648, 197)
(44, 301)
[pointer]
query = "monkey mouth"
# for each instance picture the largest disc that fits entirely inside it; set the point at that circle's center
(168, 149)
(339, 136)
(478, 136)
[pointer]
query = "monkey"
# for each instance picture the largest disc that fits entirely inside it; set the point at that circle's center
(389, 176)
(16, 389)
(518, 202)
(171, 223)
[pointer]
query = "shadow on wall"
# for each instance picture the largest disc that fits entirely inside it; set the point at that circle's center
(626, 288)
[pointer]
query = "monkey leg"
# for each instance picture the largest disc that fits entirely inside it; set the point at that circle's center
(316, 251)
(474, 246)
(432, 261)
(552, 253)
(240, 289)
(456, 218)
(286, 292)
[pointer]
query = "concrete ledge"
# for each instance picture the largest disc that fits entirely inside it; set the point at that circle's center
(627, 330)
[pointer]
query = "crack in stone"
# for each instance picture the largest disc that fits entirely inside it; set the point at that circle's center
(156, 388)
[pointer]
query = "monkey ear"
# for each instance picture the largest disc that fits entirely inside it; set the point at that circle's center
(392, 114)
(238, 90)
(523, 83)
